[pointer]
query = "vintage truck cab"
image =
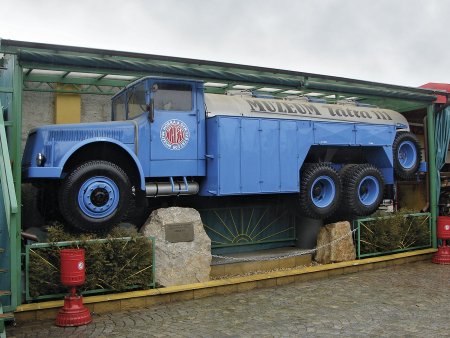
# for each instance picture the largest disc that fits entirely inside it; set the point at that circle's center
(157, 132)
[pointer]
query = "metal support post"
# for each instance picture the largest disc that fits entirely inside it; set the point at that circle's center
(16, 151)
(432, 172)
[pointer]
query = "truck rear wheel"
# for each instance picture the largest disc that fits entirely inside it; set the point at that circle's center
(363, 189)
(95, 196)
(407, 156)
(320, 190)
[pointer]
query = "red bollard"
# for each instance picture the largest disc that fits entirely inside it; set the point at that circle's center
(73, 313)
(442, 256)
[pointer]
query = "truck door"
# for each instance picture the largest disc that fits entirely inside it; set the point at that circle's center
(174, 130)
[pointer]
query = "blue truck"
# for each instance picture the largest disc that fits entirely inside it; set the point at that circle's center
(168, 137)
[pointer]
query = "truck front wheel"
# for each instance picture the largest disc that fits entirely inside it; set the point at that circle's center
(95, 196)
(320, 190)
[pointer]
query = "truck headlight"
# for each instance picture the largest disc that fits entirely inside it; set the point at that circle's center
(40, 160)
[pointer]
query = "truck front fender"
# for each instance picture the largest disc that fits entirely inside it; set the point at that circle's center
(87, 142)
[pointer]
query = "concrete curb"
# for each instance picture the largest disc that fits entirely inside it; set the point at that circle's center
(135, 299)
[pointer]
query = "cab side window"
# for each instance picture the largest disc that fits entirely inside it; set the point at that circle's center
(136, 101)
(118, 104)
(173, 97)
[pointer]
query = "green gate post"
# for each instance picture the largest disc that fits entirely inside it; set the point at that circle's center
(432, 173)
(16, 298)
(13, 86)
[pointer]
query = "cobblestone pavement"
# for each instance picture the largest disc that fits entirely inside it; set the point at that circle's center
(411, 300)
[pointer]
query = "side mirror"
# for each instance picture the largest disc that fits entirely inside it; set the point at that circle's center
(151, 106)
(151, 110)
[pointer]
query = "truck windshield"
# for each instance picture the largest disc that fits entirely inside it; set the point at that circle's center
(136, 101)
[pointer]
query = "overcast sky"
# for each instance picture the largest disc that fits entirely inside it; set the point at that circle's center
(404, 42)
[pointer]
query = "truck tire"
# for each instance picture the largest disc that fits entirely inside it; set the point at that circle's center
(407, 155)
(31, 216)
(138, 213)
(320, 190)
(363, 189)
(95, 196)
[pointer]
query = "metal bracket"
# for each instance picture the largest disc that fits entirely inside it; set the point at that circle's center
(186, 186)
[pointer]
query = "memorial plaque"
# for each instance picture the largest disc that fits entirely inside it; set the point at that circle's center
(179, 232)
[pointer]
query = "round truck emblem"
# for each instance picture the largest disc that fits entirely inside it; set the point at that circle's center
(80, 266)
(174, 134)
(447, 227)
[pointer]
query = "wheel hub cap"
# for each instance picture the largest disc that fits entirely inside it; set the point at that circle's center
(323, 191)
(369, 190)
(98, 197)
(317, 191)
(407, 155)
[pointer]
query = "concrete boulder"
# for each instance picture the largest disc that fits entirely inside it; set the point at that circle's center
(335, 243)
(181, 262)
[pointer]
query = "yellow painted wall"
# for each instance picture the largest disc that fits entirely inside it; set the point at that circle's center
(67, 108)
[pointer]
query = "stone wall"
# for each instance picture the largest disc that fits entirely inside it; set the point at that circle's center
(95, 108)
(37, 109)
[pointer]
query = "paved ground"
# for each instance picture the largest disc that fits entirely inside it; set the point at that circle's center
(410, 300)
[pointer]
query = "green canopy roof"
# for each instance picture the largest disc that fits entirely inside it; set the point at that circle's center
(93, 71)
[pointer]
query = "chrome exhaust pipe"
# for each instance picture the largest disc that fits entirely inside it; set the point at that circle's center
(154, 189)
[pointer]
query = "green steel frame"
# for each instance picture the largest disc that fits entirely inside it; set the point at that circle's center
(360, 222)
(12, 222)
(432, 172)
(9, 193)
(66, 69)
(11, 135)
(99, 85)
(16, 145)
(92, 71)
(28, 247)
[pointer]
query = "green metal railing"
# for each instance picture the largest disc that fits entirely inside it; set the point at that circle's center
(12, 218)
(11, 84)
(363, 223)
(30, 247)
(7, 182)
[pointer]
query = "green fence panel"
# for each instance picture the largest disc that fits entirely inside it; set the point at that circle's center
(364, 224)
(29, 247)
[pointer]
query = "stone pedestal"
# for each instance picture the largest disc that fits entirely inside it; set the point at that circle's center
(331, 249)
(182, 247)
